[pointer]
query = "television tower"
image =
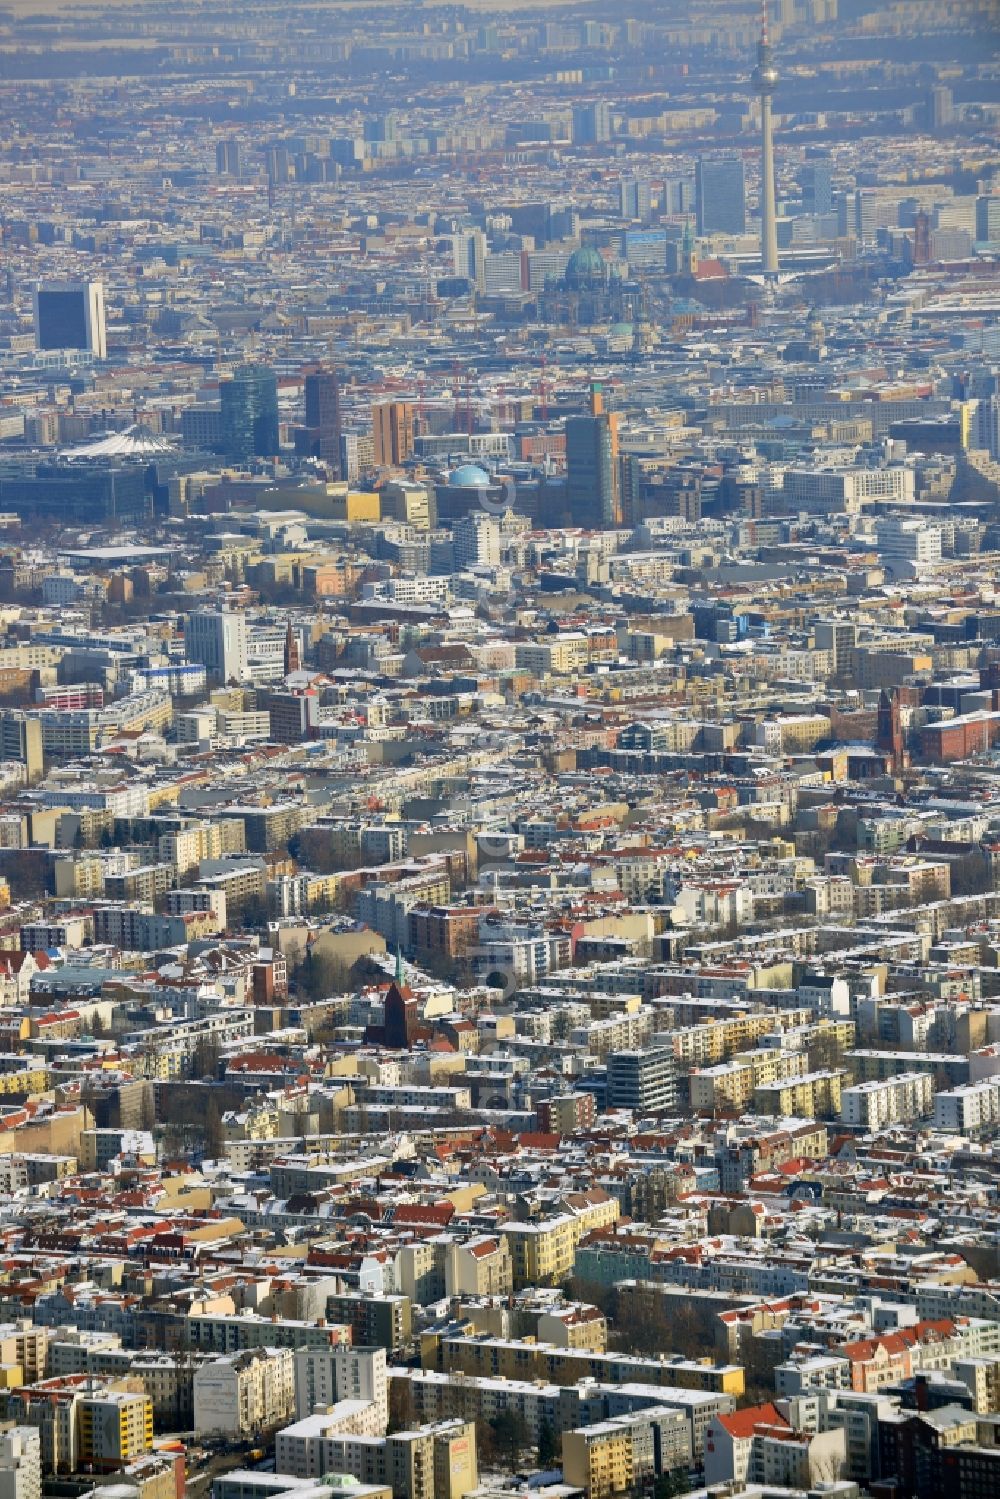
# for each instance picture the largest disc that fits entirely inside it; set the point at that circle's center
(765, 81)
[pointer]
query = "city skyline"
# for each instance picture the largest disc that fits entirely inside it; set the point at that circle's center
(500, 751)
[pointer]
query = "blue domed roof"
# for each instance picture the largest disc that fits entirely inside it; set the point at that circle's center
(470, 476)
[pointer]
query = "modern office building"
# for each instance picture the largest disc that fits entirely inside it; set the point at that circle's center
(635, 198)
(644, 1081)
(70, 315)
(409, 503)
(228, 162)
(678, 195)
(477, 540)
(392, 427)
(592, 494)
(323, 416)
(279, 166)
(218, 639)
(250, 413)
(470, 257)
(592, 123)
(381, 129)
(21, 739)
(720, 195)
(908, 547)
(357, 455)
(988, 219)
(84, 493)
(940, 107)
(816, 185)
(503, 273)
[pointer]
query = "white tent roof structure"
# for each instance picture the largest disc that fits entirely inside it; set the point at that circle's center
(135, 442)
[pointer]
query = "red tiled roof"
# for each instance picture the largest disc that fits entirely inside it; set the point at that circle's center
(536, 1140)
(424, 1212)
(741, 1424)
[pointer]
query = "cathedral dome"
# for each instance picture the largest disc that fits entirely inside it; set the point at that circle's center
(585, 266)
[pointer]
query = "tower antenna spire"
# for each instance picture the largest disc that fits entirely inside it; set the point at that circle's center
(765, 81)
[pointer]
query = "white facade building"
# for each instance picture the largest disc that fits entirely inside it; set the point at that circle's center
(219, 640)
(326, 1376)
(242, 1394)
(872, 1105)
(20, 1463)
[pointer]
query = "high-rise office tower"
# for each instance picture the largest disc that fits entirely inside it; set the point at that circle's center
(477, 540)
(592, 122)
(645, 1081)
(592, 494)
(250, 413)
(988, 218)
(840, 638)
(228, 161)
(765, 80)
(70, 315)
(357, 455)
(940, 107)
(816, 183)
(381, 128)
(635, 198)
(470, 257)
(981, 425)
(21, 739)
(323, 416)
(392, 430)
(720, 195)
(218, 639)
(279, 165)
(678, 195)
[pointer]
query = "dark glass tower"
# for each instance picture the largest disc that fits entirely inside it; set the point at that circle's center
(250, 413)
(590, 471)
(323, 417)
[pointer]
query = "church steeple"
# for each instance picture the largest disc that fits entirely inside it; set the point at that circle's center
(889, 738)
(293, 660)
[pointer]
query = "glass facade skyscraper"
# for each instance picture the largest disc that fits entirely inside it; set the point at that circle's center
(70, 315)
(816, 182)
(590, 471)
(323, 416)
(250, 413)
